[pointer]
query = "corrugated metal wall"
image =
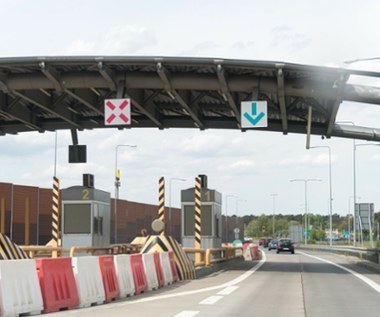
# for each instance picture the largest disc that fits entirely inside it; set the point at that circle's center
(33, 204)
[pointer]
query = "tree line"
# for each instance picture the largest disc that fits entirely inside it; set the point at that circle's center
(264, 226)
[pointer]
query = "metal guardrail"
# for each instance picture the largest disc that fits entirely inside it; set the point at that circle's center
(112, 249)
(207, 257)
(48, 251)
(372, 255)
(214, 255)
(37, 251)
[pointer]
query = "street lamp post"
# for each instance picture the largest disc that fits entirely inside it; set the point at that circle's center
(330, 188)
(349, 217)
(355, 197)
(274, 210)
(354, 176)
(170, 200)
(117, 185)
(306, 181)
(228, 196)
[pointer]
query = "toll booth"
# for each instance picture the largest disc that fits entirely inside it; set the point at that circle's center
(211, 218)
(86, 219)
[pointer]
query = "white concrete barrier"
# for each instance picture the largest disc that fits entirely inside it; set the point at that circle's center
(89, 280)
(166, 269)
(124, 275)
(20, 291)
(247, 254)
(150, 271)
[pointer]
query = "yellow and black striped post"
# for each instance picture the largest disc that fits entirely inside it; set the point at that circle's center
(2, 215)
(161, 202)
(55, 214)
(198, 213)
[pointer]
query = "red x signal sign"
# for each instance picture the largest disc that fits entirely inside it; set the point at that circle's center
(117, 111)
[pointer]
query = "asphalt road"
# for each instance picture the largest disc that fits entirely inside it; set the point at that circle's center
(311, 284)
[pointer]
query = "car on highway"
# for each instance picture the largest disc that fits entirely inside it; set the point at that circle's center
(272, 244)
(285, 245)
(264, 242)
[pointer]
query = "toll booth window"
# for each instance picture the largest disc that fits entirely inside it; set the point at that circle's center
(77, 218)
(98, 225)
(206, 227)
(189, 220)
(206, 218)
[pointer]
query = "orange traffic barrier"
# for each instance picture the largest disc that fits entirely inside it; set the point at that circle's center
(57, 282)
(110, 283)
(256, 253)
(139, 277)
(173, 267)
(157, 264)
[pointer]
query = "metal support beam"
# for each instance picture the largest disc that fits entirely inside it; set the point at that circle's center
(308, 132)
(44, 106)
(84, 101)
(74, 136)
(281, 98)
(164, 75)
(3, 83)
(108, 75)
(52, 75)
(339, 86)
(227, 93)
(138, 105)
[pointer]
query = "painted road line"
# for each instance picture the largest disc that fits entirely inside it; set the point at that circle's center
(228, 290)
(366, 280)
(187, 313)
(233, 282)
(211, 300)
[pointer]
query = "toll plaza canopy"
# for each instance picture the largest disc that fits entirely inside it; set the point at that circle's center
(53, 93)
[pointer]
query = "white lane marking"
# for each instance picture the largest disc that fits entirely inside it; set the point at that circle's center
(235, 281)
(159, 297)
(211, 300)
(187, 313)
(228, 290)
(366, 280)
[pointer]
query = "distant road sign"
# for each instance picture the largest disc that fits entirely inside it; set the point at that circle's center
(254, 114)
(117, 111)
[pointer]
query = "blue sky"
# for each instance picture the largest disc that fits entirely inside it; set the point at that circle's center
(251, 165)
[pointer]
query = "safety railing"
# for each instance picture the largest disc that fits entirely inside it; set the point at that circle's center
(214, 255)
(207, 257)
(39, 251)
(112, 249)
(202, 255)
(372, 255)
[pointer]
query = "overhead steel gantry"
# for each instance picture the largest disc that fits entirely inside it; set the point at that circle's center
(53, 93)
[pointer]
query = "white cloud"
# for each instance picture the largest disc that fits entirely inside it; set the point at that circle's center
(118, 40)
(284, 35)
(81, 47)
(202, 143)
(242, 164)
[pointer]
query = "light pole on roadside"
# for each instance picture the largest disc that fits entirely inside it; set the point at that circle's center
(274, 211)
(349, 217)
(355, 197)
(330, 188)
(117, 185)
(305, 182)
(170, 200)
